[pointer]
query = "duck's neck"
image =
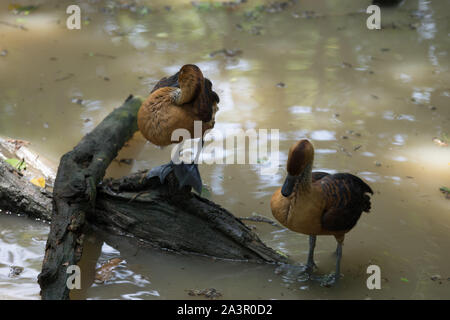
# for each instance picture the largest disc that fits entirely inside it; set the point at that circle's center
(188, 90)
(304, 181)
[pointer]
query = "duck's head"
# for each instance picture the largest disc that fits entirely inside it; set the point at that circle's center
(300, 159)
(189, 73)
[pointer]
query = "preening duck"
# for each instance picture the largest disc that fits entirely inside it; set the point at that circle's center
(175, 103)
(318, 203)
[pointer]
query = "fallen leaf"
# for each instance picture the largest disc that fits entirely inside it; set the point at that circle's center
(16, 163)
(40, 182)
(104, 273)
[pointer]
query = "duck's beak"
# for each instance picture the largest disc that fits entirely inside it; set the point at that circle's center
(288, 185)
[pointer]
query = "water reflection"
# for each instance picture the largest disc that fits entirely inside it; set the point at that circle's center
(338, 79)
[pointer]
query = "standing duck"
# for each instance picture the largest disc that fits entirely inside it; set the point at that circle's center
(175, 103)
(318, 203)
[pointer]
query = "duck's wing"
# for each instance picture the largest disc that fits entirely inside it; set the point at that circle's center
(345, 198)
(317, 175)
(171, 81)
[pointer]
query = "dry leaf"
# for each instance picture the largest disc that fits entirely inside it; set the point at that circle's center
(40, 182)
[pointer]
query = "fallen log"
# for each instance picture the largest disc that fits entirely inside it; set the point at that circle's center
(168, 217)
(19, 195)
(74, 194)
(161, 215)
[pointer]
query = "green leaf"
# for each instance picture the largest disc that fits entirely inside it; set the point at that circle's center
(444, 189)
(16, 163)
(404, 279)
(282, 254)
(205, 192)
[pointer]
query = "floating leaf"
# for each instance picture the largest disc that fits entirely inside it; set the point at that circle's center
(404, 279)
(162, 35)
(16, 163)
(40, 182)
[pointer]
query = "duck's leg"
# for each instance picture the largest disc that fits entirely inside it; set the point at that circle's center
(337, 275)
(333, 279)
(310, 265)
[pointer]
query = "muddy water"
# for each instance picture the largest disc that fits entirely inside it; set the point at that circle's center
(370, 101)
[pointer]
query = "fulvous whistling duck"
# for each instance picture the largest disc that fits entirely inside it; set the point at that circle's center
(318, 203)
(175, 103)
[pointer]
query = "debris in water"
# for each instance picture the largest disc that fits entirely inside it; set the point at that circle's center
(440, 142)
(68, 76)
(281, 85)
(445, 191)
(77, 101)
(226, 52)
(104, 273)
(378, 164)
(14, 271)
(435, 277)
(125, 161)
(210, 293)
(346, 64)
(4, 53)
(259, 218)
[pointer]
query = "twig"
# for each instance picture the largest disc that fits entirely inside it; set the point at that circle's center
(259, 218)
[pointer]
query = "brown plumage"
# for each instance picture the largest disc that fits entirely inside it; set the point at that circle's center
(318, 203)
(175, 103)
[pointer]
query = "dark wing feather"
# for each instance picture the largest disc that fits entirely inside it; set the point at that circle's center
(346, 198)
(317, 175)
(171, 81)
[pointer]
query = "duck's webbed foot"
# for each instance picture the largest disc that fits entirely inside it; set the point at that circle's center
(161, 171)
(330, 280)
(187, 174)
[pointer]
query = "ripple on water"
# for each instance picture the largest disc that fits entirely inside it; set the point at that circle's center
(22, 243)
